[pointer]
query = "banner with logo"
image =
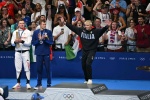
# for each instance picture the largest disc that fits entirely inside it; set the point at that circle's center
(106, 65)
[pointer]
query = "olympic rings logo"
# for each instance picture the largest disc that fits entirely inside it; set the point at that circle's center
(68, 96)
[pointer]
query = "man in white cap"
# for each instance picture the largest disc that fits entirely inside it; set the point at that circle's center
(77, 17)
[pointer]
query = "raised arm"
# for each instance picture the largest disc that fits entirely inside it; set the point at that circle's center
(72, 28)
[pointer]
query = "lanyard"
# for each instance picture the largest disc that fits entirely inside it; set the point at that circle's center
(21, 33)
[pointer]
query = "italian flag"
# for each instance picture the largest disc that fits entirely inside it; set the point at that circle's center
(71, 52)
(80, 5)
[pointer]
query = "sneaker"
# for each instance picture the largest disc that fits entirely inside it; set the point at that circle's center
(28, 86)
(85, 82)
(38, 87)
(17, 86)
(48, 85)
(89, 81)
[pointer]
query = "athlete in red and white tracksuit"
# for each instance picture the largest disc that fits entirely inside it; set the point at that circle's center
(21, 39)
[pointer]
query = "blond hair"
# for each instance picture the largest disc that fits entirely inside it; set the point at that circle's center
(88, 22)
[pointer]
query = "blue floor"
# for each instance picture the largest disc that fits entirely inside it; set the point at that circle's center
(111, 84)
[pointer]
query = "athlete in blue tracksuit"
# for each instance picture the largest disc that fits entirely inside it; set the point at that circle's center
(42, 39)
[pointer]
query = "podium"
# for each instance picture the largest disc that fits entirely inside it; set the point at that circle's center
(77, 91)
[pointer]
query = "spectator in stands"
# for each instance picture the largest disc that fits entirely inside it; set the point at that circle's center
(49, 17)
(114, 38)
(120, 4)
(5, 35)
(42, 39)
(10, 5)
(115, 17)
(148, 13)
(41, 2)
(32, 49)
(77, 17)
(61, 12)
(64, 2)
(29, 6)
(38, 11)
(129, 12)
(130, 36)
(14, 26)
(142, 36)
(5, 14)
(21, 39)
(75, 36)
(87, 4)
(61, 34)
(138, 10)
(97, 6)
(104, 15)
(97, 25)
(19, 4)
(41, 18)
(48, 22)
(26, 18)
(71, 7)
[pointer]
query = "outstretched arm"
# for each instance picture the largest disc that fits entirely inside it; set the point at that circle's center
(71, 27)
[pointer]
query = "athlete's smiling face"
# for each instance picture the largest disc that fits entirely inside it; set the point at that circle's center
(88, 25)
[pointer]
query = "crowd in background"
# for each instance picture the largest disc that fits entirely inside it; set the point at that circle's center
(128, 32)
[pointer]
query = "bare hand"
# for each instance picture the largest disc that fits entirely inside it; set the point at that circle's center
(106, 2)
(98, 2)
(108, 22)
(66, 43)
(134, 30)
(84, 1)
(39, 36)
(6, 43)
(117, 5)
(142, 30)
(62, 19)
(16, 41)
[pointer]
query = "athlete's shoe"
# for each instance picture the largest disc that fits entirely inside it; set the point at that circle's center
(17, 86)
(89, 81)
(28, 86)
(38, 87)
(48, 85)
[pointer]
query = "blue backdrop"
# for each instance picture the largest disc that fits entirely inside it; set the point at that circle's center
(106, 65)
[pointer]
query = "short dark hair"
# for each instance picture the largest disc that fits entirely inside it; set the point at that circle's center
(97, 18)
(141, 17)
(18, 15)
(21, 20)
(42, 21)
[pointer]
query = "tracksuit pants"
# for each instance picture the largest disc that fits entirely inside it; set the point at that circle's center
(87, 59)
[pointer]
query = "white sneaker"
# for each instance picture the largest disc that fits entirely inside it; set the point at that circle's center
(89, 81)
(17, 86)
(28, 86)
(37, 87)
(85, 82)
